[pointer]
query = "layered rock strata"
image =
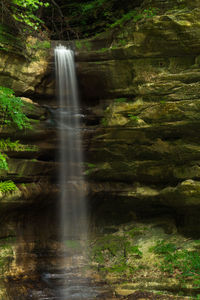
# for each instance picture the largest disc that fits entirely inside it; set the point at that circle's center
(144, 156)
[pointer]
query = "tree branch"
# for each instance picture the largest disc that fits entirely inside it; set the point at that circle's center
(58, 7)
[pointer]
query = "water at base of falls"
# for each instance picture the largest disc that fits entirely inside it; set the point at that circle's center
(53, 286)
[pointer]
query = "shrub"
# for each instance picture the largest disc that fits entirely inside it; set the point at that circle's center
(3, 162)
(11, 108)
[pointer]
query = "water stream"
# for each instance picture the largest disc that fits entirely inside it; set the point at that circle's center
(73, 212)
(73, 217)
(61, 268)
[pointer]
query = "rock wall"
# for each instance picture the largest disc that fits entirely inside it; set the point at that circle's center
(143, 84)
(23, 71)
(140, 93)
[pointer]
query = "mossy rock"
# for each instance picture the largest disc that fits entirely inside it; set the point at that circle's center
(9, 42)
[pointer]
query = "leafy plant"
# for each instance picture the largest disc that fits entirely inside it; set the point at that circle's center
(8, 145)
(39, 45)
(133, 117)
(24, 11)
(79, 44)
(7, 186)
(182, 264)
(122, 42)
(150, 12)
(3, 162)
(83, 44)
(90, 168)
(104, 122)
(11, 108)
(135, 16)
(103, 49)
(121, 100)
(162, 247)
(162, 102)
(112, 253)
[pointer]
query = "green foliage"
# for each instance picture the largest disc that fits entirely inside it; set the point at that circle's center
(162, 247)
(111, 252)
(8, 145)
(86, 18)
(40, 45)
(104, 122)
(120, 100)
(103, 49)
(6, 253)
(150, 12)
(136, 231)
(11, 108)
(162, 102)
(133, 117)
(182, 264)
(83, 45)
(9, 41)
(79, 44)
(122, 42)
(135, 16)
(126, 17)
(90, 168)
(3, 162)
(7, 186)
(24, 11)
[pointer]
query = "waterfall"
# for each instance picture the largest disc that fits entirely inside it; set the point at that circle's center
(73, 219)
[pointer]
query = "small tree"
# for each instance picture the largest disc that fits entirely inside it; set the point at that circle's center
(23, 13)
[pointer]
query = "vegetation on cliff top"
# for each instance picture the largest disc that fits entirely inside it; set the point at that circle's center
(23, 13)
(66, 19)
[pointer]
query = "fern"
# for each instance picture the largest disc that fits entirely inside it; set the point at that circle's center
(3, 162)
(8, 145)
(7, 186)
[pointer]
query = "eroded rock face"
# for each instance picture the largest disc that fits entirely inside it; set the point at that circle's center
(23, 72)
(145, 153)
(142, 145)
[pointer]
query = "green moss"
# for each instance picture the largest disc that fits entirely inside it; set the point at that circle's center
(133, 117)
(83, 45)
(6, 253)
(90, 168)
(120, 100)
(9, 41)
(112, 252)
(136, 231)
(104, 122)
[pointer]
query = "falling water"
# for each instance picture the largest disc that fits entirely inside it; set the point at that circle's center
(73, 221)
